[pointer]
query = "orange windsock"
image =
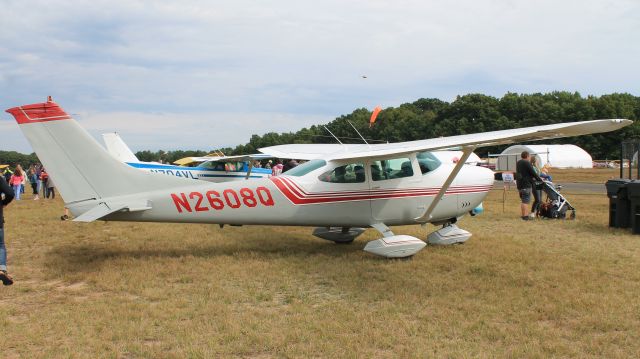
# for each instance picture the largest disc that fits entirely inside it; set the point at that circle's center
(374, 115)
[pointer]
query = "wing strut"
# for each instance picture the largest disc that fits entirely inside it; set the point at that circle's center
(250, 168)
(426, 216)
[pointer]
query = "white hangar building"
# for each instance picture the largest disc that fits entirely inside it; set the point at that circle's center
(557, 156)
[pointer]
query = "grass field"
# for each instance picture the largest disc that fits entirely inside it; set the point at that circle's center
(593, 175)
(126, 290)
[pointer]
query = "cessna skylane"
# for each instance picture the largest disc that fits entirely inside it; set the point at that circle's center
(342, 189)
(208, 168)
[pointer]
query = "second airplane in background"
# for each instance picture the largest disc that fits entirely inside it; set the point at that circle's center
(209, 168)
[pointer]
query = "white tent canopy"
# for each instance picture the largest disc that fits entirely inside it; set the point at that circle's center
(558, 156)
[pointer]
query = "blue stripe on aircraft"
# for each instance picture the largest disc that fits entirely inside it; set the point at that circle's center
(238, 176)
(180, 168)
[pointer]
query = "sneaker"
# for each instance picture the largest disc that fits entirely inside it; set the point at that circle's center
(526, 218)
(5, 278)
(64, 218)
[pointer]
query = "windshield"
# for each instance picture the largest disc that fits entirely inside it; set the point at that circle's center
(427, 161)
(305, 168)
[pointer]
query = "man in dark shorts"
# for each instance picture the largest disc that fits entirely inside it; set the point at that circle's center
(525, 179)
(6, 196)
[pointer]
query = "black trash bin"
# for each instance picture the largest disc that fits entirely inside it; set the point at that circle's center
(633, 191)
(619, 205)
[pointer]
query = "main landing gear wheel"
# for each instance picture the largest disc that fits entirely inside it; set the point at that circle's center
(338, 235)
(447, 235)
(392, 245)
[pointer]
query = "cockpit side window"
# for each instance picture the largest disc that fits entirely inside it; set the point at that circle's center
(427, 162)
(219, 166)
(391, 169)
(351, 173)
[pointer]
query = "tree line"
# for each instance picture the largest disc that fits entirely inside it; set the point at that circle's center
(430, 117)
(13, 158)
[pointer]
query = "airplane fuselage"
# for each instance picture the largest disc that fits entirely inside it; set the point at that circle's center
(305, 201)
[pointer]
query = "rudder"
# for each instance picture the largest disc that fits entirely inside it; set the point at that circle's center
(79, 166)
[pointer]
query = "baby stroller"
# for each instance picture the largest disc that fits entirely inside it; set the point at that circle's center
(555, 206)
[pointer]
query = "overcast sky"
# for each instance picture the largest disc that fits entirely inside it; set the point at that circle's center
(205, 74)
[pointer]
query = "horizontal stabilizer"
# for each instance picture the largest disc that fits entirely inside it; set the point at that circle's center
(103, 209)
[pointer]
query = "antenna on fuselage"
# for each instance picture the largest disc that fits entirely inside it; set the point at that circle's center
(334, 136)
(358, 132)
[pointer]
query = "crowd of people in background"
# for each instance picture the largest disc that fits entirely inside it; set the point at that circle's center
(278, 168)
(36, 177)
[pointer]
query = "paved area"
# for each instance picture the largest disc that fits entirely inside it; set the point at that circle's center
(568, 187)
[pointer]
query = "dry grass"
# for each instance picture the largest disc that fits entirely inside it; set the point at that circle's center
(591, 175)
(516, 289)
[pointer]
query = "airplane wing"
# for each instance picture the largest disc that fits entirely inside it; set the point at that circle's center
(188, 160)
(238, 158)
(484, 139)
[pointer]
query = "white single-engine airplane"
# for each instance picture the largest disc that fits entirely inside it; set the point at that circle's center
(209, 168)
(342, 189)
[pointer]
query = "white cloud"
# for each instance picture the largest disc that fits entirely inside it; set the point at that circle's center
(303, 59)
(172, 131)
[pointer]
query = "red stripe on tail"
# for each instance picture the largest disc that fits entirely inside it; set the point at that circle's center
(38, 112)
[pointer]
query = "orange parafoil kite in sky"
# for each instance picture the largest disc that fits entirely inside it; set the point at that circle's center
(374, 115)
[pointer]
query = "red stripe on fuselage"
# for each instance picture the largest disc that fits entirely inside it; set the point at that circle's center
(301, 192)
(298, 196)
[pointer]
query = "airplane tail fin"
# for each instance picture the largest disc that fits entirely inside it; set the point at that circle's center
(80, 168)
(117, 148)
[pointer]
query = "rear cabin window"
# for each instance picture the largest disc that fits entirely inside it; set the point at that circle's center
(351, 173)
(427, 162)
(306, 167)
(391, 169)
(213, 165)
